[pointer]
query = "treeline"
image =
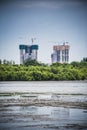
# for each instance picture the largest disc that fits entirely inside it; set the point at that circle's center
(34, 71)
(7, 62)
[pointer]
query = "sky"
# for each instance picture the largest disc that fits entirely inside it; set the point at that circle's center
(51, 22)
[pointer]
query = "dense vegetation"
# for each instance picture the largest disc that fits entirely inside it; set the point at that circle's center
(31, 71)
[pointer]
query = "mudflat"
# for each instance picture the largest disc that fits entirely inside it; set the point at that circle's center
(50, 107)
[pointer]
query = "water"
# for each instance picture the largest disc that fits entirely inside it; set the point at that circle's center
(69, 87)
(46, 117)
(43, 105)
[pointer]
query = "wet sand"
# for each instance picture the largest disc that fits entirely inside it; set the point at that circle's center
(51, 109)
(55, 100)
(42, 111)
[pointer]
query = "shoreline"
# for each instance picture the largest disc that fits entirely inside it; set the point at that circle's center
(51, 104)
(34, 101)
(46, 81)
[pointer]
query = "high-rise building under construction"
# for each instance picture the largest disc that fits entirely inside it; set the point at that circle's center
(60, 53)
(28, 52)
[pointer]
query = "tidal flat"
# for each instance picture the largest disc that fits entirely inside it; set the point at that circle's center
(43, 105)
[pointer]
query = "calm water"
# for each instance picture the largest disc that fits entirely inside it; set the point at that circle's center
(42, 118)
(34, 117)
(75, 87)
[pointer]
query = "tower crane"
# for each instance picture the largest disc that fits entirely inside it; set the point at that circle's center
(32, 40)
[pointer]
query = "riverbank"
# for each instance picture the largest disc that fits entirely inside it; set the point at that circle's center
(43, 105)
(43, 111)
(40, 93)
(41, 72)
(54, 100)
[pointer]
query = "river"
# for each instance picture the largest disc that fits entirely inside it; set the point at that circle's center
(43, 105)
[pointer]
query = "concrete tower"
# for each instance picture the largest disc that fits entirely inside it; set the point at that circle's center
(60, 53)
(28, 52)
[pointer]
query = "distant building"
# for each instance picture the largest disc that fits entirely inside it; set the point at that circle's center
(28, 52)
(60, 53)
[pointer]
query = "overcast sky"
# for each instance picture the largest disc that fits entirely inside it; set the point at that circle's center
(51, 22)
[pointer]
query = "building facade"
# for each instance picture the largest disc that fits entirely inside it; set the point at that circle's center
(28, 52)
(60, 53)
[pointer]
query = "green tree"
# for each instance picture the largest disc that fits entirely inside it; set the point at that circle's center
(0, 61)
(75, 64)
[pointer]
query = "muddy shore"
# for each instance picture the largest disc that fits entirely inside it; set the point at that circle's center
(40, 102)
(42, 106)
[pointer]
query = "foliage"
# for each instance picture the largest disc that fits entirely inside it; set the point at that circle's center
(38, 72)
(7, 62)
(33, 63)
(84, 59)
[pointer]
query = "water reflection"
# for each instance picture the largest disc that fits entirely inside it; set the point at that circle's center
(39, 117)
(60, 113)
(29, 110)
